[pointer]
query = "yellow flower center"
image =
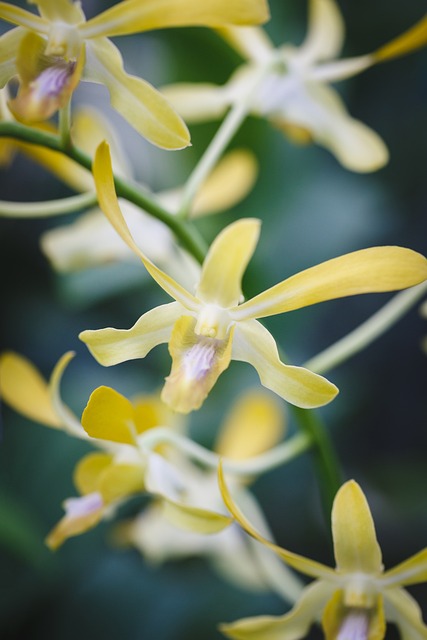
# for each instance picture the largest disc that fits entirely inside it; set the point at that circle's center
(64, 41)
(213, 322)
(360, 591)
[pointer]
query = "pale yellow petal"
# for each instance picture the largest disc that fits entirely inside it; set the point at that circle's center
(255, 423)
(60, 10)
(304, 565)
(89, 469)
(255, 345)
(111, 346)
(109, 416)
(411, 571)
(119, 481)
(26, 391)
(366, 271)
(194, 519)
(69, 421)
(23, 18)
(226, 262)
(292, 626)
(104, 180)
(253, 43)
(9, 46)
(131, 16)
(405, 613)
(135, 99)
(199, 102)
(325, 32)
(81, 515)
(355, 542)
(411, 40)
(230, 182)
(197, 363)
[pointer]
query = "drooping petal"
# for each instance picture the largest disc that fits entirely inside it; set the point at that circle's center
(25, 390)
(411, 571)
(198, 102)
(89, 469)
(304, 565)
(412, 39)
(9, 46)
(341, 622)
(255, 345)
(355, 542)
(69, 421)
(227, 185)
(60, 10)
(197, 363)
(190, 518)
(131, 16)
(292, 626)
(23, 18)
(135, 99)
(370, 270)
(104, 180)
(81, 515)
(226, 262)
(111, 346)
(403, 610)
(252, 43)
(325, 35)
(254, 425)
(109, 416)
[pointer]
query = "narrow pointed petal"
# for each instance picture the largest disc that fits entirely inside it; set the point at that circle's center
(228, 184)
(226, 262)
(255, 345)
(111, 346)
(292, 626)
(9, 47)
(355, 542)
(197, 363)
(194, 519)
(81, 515)
(304, 565)
(104, 180)
(60, 10)
(252, 43)
(109, 416)
(131, 16)
(325, 35)
(25, 390)
(404, 612)
(411, 40)
(23, 18)
(411, 571)
(135, 99)
(255, 424)
(89, 469)
(370, 270)
(69, 420)
(198, 102)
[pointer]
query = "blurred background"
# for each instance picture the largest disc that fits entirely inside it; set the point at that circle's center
(312, 209)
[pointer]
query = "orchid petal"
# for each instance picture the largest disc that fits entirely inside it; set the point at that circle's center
(60, 10)
(109, 416)
(81, 515)
(252, 43)
(69, 421)
(23, 18)
(197, 363)
(131, 16)
(412, 39)
(325, 35)
(370, 270)
(226, 262)
(198, 102)
(104, 180)
(111, 346)
(404, 612)
(24, 389)
(255, 345)
(292, 626)
(88, 471)
(254, 425)
(304, 565)
(9, 46)
(411, 571)
(355, 543)
(230, 182)
(119, 481)
(135, 99)
(194, 519)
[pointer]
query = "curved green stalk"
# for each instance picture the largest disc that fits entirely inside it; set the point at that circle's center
(185, 231)
(47, 208)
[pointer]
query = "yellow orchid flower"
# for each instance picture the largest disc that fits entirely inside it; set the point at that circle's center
(52, 51)
(353, 600)
(294, 94)
(207, 329)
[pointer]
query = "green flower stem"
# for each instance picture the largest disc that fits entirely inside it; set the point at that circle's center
(328, 468)
(65, 125)
(219, 143)
(368, 331)
(47, 208)
(284, 452)
(185, 231)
